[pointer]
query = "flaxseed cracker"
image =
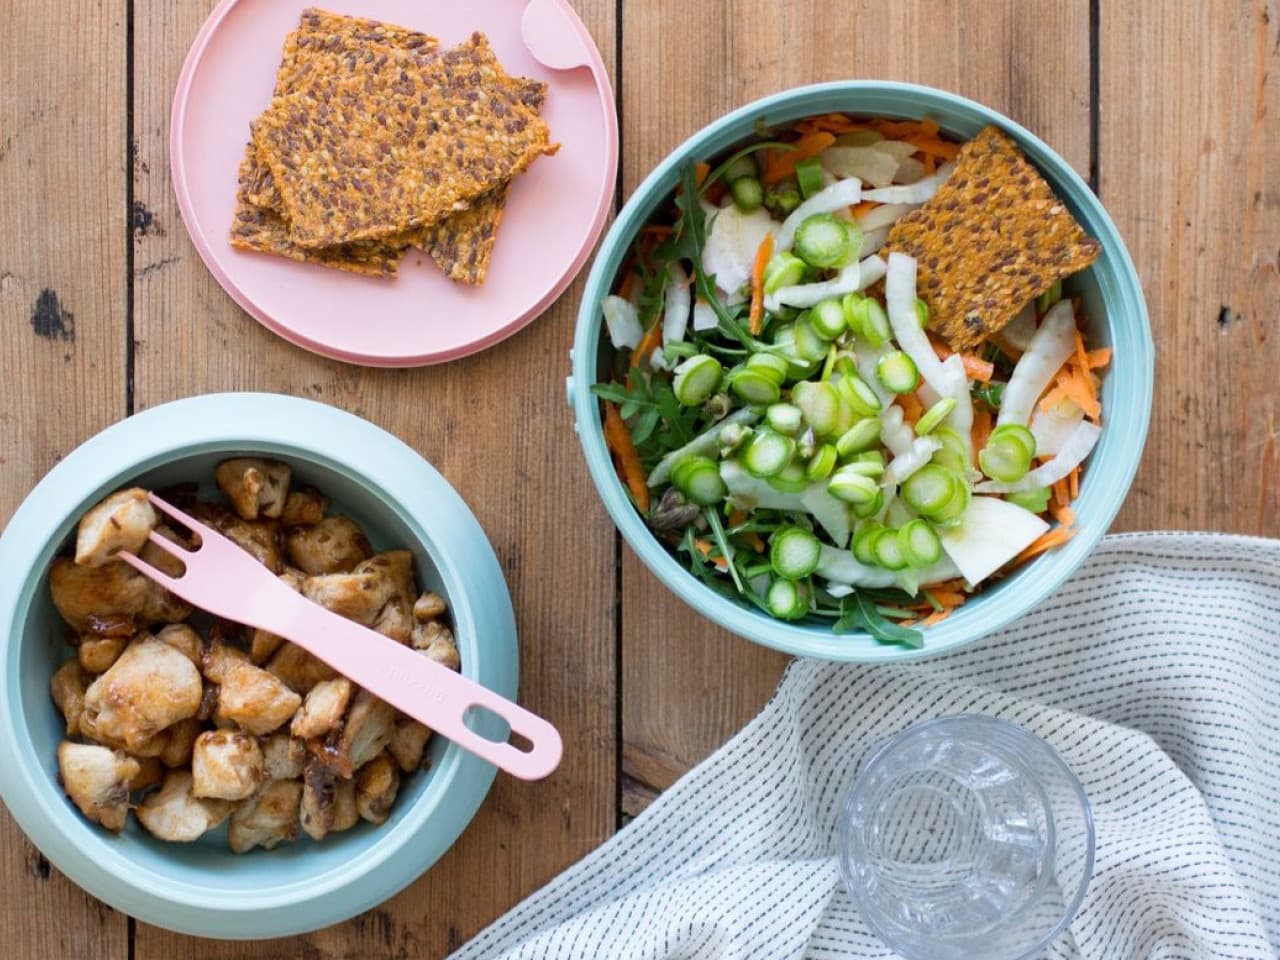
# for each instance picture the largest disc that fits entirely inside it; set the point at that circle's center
(993, 238)
(365, 157)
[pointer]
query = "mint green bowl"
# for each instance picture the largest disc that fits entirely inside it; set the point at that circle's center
(1113, 300)
(203, 888)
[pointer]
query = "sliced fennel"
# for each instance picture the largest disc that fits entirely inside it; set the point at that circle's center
(732, 242)
(917, 192)
(990, 534)
(678, 301)
(841, 194)
(1048, 350)
(704, 444)
(622, 320)
(1078, 445)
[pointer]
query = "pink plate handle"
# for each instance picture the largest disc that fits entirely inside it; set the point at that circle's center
(554, 35)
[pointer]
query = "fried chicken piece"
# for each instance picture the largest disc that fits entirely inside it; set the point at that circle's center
(395, 621)
(436, 642)
(173, 813)
(160, 605)
(120, 522)
(315, 812)
(283, 756)
(150, 772)
(97, 781)
(97, 654)
(256, 700)
(299, 669)
(356, 596)
(345, 813)
(259, 538)
(267, 818)
(180, 741)
(397, 567)
(183, 639)
(304, 508)
(256, 487)
(217, 659)
(150, 687)
(323, 708)
(376, 788)
(365, 732)
(67, 688)
(333, 545)
(408, 742)
(428, 607)
(226, 765)
(104, 600)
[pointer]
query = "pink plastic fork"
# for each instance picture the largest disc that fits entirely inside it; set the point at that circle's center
(224, 580)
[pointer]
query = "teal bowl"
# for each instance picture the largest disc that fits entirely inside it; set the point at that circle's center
(202, 888)
(1112, 296)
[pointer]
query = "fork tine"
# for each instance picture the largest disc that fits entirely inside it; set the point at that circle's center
(147, 570)
(191, 523)
(168, 546)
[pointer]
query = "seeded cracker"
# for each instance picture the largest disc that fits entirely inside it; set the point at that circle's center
(366, 157)
(991, 239)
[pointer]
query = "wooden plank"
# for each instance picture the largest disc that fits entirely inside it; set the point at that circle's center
(1187, 155)
(497, 427)
(688, 685)
(62, 334)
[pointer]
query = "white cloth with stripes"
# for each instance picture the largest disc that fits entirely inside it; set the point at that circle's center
(1153, 672)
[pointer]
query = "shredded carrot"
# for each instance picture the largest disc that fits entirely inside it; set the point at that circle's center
(648, 343)
(930, 163)
(700, 172)
(912, 408)
(1061, 492)
(1073, 482)
(907, 623)
(936, 617)
(763, 253)
(978, 369)
(831, 123)
(901, 129)
(705, 549)
(618, 438)
(782, 164)
(1064, 515)
(982, 426)
(757, 544)
(1047, 541)
(658, 229)
(626, 287)
(863, 208)
(948, 598)
(1098, 358)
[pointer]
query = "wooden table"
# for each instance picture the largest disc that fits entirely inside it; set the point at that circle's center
(1170, 109)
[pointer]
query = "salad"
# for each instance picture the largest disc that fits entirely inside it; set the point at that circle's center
(846, 382)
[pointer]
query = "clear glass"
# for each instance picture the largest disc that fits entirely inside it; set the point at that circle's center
(966, 837)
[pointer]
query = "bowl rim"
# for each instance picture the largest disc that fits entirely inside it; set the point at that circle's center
(1130, 394)
(410, 487)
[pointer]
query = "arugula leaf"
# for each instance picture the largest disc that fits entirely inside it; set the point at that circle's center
(858, 612)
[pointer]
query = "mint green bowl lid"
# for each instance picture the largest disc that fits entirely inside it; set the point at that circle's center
(1113, 300)
(202, 888)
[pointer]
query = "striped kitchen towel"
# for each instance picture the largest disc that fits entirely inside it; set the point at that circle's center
(1153, 672)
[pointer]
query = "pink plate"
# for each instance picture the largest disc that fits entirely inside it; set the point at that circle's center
(553, 216)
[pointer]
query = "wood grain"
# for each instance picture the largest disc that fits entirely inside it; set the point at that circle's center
(62, 335)
(497, 427)
(1199, 205)
(686, 684)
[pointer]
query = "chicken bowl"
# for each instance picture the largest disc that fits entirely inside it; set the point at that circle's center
(213, 882)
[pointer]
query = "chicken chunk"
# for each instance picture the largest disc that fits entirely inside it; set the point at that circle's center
(356, 596)
(334, 545)
(150, 772)
(436, 642)
(267, 818)
(160, 605)
(255, 699)
(217, 659)
(183, 639)
(255, 487)
(259, 538)
(323, 708)
(180, 741)
(428, 607)
(397, 567)
(97, 781)
(408, 741)
(173, 813)
(226, 765)
(262, 643)
(97, 654)
(150, 687)
(376, 787)
(303, 508)
(120, 522)
(365, 732)
(316, 808)
(298, 669)
(395, 621)
(67, 687)
(103, 600)
(283, 756)
(345, 813)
